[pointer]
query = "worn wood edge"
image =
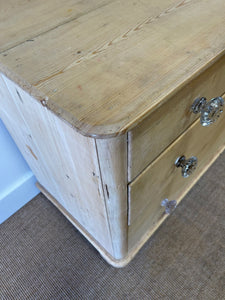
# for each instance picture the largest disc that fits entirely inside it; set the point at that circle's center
(37, 95)
(118, 263)
(112, 160)
(103, 131)
(148, 234)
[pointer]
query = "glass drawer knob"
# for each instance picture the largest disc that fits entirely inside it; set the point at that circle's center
(188, 166)
(210, 111)
(169, 205)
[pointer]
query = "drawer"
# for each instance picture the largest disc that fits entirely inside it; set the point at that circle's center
(162, 179)
(166, 123)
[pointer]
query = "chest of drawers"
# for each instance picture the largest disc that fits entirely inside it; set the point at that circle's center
(99, 97)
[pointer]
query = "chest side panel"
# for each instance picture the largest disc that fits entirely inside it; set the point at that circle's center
(64, 162)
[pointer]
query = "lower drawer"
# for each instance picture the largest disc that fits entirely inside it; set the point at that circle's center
(162, 179)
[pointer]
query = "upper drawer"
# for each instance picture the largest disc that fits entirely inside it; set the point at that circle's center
(147, 140)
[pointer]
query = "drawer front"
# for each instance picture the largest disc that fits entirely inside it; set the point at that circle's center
(162, 179)
(165, 124)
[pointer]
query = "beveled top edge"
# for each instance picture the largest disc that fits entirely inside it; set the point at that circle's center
(98, 132)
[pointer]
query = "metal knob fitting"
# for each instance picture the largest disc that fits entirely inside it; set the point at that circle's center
(188, 165)
(210, 111)
(169, 205)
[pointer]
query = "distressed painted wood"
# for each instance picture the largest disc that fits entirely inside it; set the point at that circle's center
(161, 128)
(121, 60)
(162, 179)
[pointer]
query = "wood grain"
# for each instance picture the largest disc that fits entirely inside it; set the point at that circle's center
(112, 154)
(162, 179)
(63, 161)
(23, 20)
(107, 72)
(147, 140)
(103, 68)
(118, 263)
(13, 120)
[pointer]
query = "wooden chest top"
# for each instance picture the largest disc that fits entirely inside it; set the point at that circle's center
(105, 65)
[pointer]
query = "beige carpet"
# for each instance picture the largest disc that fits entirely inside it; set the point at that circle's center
(42, 256)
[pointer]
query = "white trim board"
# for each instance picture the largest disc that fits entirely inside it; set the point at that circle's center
(17, 195)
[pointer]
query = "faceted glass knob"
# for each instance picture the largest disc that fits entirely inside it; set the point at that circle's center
(188, 165)
(210, 111)
(169, 205)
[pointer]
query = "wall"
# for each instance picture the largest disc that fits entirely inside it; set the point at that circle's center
(17, 182)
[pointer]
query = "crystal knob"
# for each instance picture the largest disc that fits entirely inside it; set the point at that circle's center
(188, 165)
(169, 205)
(210, 111)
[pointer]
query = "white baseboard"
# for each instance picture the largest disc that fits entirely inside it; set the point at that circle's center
(17, 195)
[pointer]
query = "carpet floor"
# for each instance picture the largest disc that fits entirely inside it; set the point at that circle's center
(42, 256)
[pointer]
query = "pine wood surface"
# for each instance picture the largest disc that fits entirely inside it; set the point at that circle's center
(118, 263)
(103, 68)
(162, 179)
(105, 65)
(152, 136)
(24, 19)
(112, 155)
(63, 161)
